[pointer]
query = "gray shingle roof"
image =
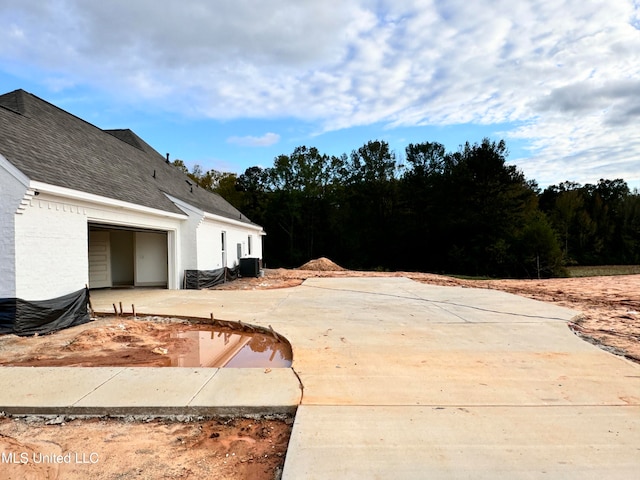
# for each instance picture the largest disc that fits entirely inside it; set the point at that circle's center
(52, 146)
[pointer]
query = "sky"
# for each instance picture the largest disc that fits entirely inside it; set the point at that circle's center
(232, 84)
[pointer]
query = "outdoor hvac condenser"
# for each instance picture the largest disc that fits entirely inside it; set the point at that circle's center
(250, 267)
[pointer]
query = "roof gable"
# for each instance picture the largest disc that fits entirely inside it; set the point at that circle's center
(13, 101)
(127, 136)
(52, 146)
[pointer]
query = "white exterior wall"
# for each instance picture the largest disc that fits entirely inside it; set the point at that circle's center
(188, 236)
(236, 233)
(209, 247)
(202, 239)
(50, 256)
(210, 243)
(189, 242)
(236, 236)
(13, 189)
(52, 250)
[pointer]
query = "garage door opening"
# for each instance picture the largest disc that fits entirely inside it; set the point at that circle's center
(124, 257)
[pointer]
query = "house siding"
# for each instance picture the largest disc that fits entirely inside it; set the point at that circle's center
(51, 255)
(188, 237)
(51, 258)
(209, 237)
(12, 192)
(210, 244)
(202, 239)
(239, 236)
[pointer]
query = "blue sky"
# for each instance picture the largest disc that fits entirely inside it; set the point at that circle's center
(232, 84)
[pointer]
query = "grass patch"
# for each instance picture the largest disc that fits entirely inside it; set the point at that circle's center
(603, 270)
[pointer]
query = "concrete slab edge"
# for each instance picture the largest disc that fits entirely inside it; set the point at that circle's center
(219, 411)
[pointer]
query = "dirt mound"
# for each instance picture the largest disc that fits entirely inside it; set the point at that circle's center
(321, 264)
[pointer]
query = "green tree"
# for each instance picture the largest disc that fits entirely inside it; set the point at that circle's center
(426, 159)
(630, 235)
(180, 165)
(540, 251)
(596, 222)
(471, 210)
(490, 201)
(208, 180)
(253, 188)
(373, 162)
(301, 189)
(564, 203)
(467, 211)
(227, 188)
(368, 203)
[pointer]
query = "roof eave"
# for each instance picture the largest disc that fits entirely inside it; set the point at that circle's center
(100, 200)
(213, 216)
(238, 223)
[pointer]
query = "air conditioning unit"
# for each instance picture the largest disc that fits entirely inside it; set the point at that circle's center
(250, 267)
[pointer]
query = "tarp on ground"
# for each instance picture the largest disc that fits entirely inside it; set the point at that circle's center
(24, 318)
(199, 279)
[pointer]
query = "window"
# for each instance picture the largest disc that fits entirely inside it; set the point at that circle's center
(223, 239)
(249, 245)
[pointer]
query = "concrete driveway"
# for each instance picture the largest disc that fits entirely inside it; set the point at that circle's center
(404, 380)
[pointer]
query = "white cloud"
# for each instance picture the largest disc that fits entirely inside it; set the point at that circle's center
(266, 140)
(566, 71)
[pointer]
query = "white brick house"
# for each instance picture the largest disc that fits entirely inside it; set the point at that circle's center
(80, 205)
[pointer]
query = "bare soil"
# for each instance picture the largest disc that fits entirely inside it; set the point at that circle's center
(105, 342)
(321, 264)
(119, 341)
(109, 449)
(238, 448)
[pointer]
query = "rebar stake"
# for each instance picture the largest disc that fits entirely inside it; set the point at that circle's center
(273, 332)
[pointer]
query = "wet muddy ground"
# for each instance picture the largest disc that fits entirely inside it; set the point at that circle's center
(146, 342)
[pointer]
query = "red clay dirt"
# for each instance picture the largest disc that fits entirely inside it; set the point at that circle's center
(119, 341)
(109, 449)
(240, 448)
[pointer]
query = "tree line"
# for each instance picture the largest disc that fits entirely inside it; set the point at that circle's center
(464, 212)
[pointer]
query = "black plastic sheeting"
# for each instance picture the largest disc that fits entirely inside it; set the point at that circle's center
(199, 279)
(25, 318)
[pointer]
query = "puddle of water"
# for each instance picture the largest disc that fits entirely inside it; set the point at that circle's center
(214, 348)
